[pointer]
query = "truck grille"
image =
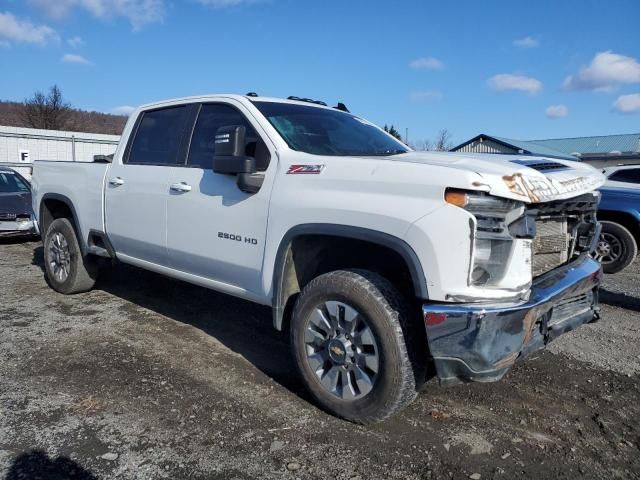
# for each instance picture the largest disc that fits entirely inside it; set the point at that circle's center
(7, 216)
(551, 245)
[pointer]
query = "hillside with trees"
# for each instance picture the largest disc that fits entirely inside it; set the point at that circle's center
(50, 111)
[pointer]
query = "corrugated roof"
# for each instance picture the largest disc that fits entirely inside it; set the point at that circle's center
(536, 149)
(626, 143)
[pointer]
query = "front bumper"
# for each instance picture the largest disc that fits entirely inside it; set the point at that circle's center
(13, 228)
(480, 342)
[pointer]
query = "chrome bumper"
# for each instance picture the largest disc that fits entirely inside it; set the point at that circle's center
(480, 342)
(13, 228)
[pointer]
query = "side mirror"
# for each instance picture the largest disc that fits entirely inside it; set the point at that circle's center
(102, 158)
(230, 157)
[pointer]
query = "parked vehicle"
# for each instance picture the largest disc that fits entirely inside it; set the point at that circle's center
(16, 217)
(380, 261)
(623, 176)
(619, 214)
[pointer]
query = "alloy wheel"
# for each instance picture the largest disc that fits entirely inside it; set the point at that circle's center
(342, 350)
(59, 257)
(609, 248)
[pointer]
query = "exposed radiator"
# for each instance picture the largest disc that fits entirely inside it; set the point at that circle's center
(551, 245)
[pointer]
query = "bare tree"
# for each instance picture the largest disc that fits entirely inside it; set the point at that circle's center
(422, 145)
(442, 142)
(48, 111)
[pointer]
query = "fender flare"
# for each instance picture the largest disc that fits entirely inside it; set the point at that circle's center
(64, 199)
(392, 242)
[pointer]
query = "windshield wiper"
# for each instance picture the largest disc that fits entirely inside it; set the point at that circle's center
(386, 153)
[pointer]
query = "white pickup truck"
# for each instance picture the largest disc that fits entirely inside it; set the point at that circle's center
(388, 266)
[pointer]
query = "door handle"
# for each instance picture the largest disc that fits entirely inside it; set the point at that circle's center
(116, 182)
(181, 187)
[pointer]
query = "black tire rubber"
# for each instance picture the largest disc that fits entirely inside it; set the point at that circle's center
(82, 271)
(385, 309)
(629, 247)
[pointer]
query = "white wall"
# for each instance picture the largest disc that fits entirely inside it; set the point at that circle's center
(22, 146)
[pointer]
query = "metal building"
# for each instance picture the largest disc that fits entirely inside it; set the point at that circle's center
(599, 151)
(19, 147)
(490, 144)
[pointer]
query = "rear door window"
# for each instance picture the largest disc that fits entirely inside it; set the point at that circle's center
(158, 137)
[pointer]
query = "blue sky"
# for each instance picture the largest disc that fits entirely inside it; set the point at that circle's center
(520, 69)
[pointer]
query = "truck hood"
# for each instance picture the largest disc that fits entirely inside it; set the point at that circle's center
(524, 178)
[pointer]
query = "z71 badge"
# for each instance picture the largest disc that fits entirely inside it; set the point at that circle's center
(305, 169)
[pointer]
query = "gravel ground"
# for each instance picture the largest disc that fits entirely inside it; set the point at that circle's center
(146, 377)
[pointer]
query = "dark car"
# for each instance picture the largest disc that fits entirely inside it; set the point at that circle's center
(16, 214)
(619, 214)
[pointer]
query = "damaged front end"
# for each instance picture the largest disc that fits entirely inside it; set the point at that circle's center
(481, 341)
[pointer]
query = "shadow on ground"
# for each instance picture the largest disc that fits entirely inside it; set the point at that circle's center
(244, 327)
(621, 300)
(38, 465)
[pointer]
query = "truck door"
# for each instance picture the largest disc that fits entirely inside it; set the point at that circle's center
(138, 185)
(215, 230)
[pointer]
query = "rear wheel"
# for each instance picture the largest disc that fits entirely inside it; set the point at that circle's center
(616, 248)
(348, 339)
(67, 270)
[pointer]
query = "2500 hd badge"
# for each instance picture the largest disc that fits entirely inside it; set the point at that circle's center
(237, 238)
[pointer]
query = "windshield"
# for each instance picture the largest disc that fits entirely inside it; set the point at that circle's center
(323, 131)
(12, 183)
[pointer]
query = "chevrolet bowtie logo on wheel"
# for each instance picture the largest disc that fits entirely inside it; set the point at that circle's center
(337, 351)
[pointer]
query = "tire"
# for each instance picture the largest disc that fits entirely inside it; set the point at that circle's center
(67, 270)
(379, 308)
(616, 248)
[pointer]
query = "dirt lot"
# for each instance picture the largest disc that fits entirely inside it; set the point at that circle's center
(146, 377)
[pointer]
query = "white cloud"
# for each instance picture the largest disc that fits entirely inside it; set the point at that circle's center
(123, 110)
(15, 30)
(138, 12)
(556, 111)
(73, 58)
(425, 95)
(526, 42)
(628, 103)
(509, 81)
(427, 63)
(606, 71)
(75, 42)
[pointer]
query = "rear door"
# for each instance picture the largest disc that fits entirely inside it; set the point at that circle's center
(138, 184)
(215, 230)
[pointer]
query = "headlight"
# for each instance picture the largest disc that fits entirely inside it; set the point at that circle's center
(23, 219)
(493, 243)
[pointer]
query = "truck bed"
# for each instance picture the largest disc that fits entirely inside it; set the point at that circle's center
(82, 183)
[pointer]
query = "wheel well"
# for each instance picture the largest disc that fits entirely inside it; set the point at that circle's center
(52, 209)
(625, 219)
(309, 256)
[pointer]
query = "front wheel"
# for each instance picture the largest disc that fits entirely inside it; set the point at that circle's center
(348, 338)
(616, 248)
